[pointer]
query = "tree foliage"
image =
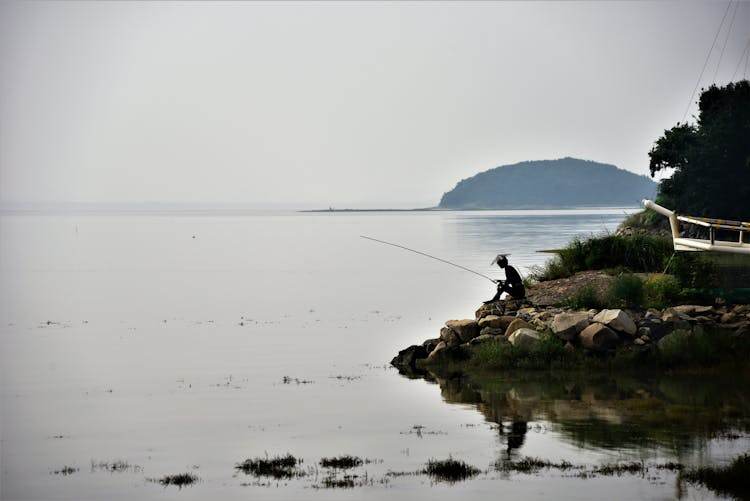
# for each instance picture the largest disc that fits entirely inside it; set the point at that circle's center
(711, 159)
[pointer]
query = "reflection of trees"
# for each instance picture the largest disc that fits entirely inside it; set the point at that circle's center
(677, 414)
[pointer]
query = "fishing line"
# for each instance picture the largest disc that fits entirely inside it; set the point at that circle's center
(431, 257)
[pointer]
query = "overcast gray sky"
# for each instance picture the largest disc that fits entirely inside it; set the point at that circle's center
(344, 104)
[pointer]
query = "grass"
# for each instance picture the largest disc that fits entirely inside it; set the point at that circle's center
(180, 480)
(584, 298)
(549, 353)
(625, 291)
(731, 480)
(65, 471)
(117, 466)
(276, 467)
(449, 470)
(531, 465)
(342, 462)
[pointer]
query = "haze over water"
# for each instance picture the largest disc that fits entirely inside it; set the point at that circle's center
(190, 341)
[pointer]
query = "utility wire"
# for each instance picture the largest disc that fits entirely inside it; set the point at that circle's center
(708, 56)
(726, 39)
(742, 57)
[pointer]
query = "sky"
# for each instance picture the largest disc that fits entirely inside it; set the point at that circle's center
(340, 104)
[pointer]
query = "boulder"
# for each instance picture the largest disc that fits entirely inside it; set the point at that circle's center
(694, 309)
(483, 338)
(465, 329)
(489, 331)
(599, 337)
(673, 340)
(617, 320)
(429, 344)
(437, 352)
(729, 317)
(567, 326)
(497, 308)
(517, 324)
(525, 338)
(449, 337)
(672, 315)
(495, 321)
(408, 357)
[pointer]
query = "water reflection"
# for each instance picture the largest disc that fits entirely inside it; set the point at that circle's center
(672, 416)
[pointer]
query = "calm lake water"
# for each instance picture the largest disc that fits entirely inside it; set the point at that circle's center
(189, 342)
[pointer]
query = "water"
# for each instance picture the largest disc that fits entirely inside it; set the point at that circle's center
(189, 342)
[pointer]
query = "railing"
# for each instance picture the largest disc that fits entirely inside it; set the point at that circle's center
(697, 244)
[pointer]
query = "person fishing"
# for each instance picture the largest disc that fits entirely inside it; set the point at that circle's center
(512, 283)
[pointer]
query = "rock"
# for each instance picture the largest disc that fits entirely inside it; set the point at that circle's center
(496, 322)
(514, 304)
(483, 338)
(639, 342)
(617, 320)
(525, 311)
(407, 358)
(489, 331)
(673, 338)
(693, 309)
(644, 331)
(449, 337)
(441, 347)
(599, 337)
(524, 337)
(497, 308)
(728, 318)
(567, 326)
(517, 324)
(672, 315)
(466, 329)
(429, 344)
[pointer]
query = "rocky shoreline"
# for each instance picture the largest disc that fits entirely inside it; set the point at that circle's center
(522, 323)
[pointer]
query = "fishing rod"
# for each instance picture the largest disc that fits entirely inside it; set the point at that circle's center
(432, 257)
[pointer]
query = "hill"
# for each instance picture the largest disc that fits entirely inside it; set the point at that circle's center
(566, 182)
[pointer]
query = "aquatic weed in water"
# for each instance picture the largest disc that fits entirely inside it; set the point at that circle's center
(180, 480)
(342, 462)
(276, 467)
(449, 470)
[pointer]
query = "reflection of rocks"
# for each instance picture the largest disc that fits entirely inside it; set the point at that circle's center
(678, 414)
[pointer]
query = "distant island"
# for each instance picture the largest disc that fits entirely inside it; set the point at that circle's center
(566, 182)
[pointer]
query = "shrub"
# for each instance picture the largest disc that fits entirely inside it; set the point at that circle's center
(549, 353)
(625, 291)
(638, 253)
(693, 271)
(584, 298)
(661, 291)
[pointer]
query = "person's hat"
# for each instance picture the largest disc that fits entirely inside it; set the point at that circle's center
(500, 257)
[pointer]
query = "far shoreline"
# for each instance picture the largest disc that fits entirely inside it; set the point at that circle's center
(477, 209)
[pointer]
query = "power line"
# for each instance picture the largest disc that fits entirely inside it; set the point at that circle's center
(708, 56)
(726, 39)
(742, 57)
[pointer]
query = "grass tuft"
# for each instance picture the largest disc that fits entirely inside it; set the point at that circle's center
(342, 462)
(180, 480)
(450, 470)
(276, 467)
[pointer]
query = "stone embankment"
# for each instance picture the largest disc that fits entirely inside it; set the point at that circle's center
(523, 324)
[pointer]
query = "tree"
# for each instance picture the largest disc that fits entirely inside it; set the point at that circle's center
(711, 159)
